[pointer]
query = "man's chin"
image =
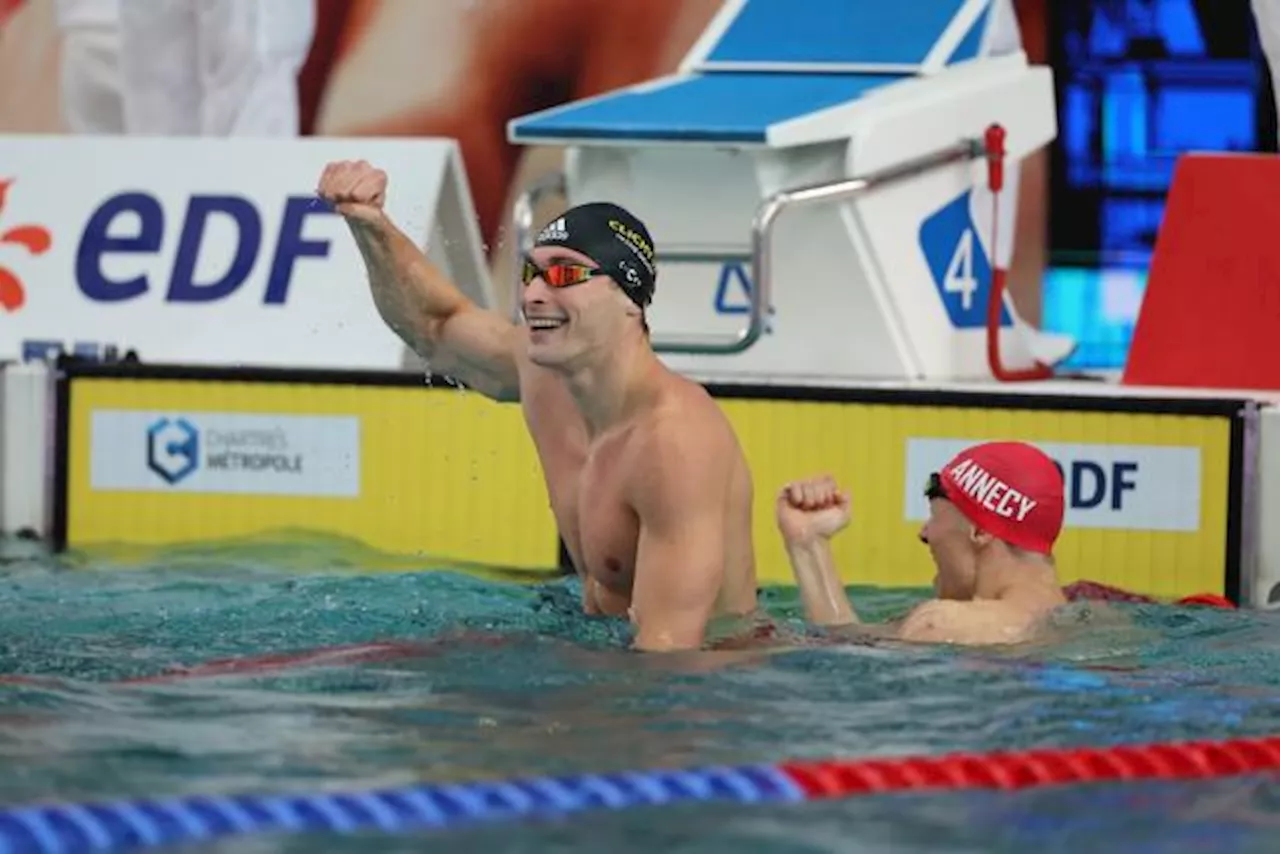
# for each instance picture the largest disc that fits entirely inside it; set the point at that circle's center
(547, 356)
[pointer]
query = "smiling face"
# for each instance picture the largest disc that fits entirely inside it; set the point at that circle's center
(570, 323)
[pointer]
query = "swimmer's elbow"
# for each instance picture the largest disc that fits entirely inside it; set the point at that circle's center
(658, 646)
(476, 347)
(665, 639)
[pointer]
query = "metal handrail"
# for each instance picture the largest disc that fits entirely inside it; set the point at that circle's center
(834, 191)
(759, 298)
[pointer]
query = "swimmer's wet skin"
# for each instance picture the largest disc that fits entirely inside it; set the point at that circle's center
(995, 512)
(648, 485)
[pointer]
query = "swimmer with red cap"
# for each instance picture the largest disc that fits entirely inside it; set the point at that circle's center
(995, 512)
(649, 487)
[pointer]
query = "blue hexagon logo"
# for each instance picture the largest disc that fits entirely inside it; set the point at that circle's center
(173, 449)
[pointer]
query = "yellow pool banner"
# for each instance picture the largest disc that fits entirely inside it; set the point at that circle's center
(154, 455)
(1150, 493)
(386, 460)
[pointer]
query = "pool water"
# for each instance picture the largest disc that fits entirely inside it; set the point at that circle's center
(477, 675)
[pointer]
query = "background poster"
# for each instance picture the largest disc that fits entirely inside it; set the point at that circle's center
(451, 68)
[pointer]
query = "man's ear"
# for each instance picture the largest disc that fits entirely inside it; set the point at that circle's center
(636, 312)
(979, 537)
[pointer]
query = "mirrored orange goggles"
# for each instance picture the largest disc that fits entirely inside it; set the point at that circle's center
(559, 275)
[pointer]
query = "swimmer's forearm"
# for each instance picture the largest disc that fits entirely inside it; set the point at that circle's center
(413, 296)
(823, 596)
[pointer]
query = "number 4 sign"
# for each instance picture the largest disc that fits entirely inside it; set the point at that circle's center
(959, 278)
(959, 265)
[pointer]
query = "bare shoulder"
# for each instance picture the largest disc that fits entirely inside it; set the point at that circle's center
(691, 402)
(684, 443)
(968, 623)
(688, 420)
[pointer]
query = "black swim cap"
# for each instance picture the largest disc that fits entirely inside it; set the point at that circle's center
(614, 239)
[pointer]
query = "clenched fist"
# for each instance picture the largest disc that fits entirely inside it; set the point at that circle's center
(812, 509)
(355, 189)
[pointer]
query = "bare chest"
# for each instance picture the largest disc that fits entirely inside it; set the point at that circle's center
(607, 529)
(586, 485)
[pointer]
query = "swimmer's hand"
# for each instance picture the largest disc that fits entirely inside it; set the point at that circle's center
(355, 189)
(812, 509)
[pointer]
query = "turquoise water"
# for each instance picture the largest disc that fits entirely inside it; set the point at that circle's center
(492, 677)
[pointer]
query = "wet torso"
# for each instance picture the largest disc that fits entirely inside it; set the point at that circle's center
(588, 481)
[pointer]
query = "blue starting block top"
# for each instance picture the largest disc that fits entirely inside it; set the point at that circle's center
(701, 108)
(765, 62)
(852, 35)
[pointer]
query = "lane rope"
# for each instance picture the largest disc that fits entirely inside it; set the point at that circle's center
(134, 824)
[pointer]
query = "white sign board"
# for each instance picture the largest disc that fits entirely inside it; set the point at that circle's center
(227, 453)
(209, 251)
(1124, 487)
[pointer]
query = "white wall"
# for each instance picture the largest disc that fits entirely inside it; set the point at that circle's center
(26, 438)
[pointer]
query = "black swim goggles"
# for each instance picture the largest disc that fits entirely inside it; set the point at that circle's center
(562, 275)
(933, 487)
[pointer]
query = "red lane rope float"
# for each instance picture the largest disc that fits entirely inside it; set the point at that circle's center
(1097, 591)
(325, 655)
(1034, 768)
(351, 654)
(275, 661)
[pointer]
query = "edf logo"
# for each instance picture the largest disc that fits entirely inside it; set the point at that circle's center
(173, 449)
(102, 242)
(1087, 483)
(34, 239)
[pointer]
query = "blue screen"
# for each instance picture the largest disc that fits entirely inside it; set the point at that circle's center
(1139, 82)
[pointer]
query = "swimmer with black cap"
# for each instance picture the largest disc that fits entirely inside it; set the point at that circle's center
(648, 484)
(995, 512)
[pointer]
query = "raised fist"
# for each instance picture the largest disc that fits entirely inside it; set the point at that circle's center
(812, 509)
(354, 188)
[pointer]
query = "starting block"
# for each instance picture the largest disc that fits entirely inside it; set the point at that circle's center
(815, 179)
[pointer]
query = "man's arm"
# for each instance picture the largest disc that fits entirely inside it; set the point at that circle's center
(680, 494)
(809, 513)
(414, 297)
(434, 317)
(821, 592)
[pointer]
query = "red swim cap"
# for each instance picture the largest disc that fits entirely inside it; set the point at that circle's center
(1011, 490)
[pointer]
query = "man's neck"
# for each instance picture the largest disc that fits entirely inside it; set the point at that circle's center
(1004, 575)
(614, 386)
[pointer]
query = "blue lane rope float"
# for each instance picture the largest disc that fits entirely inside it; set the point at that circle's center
(136, 824)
